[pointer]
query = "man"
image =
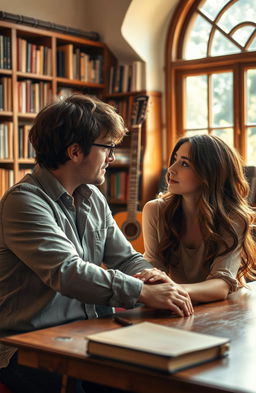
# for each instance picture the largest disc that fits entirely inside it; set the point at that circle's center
(57, 229)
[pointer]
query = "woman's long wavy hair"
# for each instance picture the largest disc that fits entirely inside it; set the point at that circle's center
(222, 205)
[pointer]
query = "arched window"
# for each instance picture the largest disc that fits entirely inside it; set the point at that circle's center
(211, 73)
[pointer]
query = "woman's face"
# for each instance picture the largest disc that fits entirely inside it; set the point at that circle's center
(183, 179)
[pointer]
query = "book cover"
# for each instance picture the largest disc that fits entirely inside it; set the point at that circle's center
(155, 346)
(67, 49)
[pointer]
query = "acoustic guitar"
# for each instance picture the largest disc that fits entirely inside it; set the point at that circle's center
(130, 221)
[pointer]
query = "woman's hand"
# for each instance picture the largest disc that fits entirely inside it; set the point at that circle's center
(153, 276)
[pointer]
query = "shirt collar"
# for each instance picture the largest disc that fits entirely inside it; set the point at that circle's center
(53, 187)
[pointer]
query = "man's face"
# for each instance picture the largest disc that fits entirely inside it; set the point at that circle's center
(92, 168)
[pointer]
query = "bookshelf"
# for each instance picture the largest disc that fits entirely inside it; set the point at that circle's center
(117, 183)
(30, 77)
(37, 65)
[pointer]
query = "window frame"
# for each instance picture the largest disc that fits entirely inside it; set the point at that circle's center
(177, 69)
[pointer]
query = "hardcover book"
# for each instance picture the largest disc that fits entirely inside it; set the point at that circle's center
(157, 347)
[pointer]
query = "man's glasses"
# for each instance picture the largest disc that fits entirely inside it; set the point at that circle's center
(110, 147)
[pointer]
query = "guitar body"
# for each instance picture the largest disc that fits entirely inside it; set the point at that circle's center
(132, 230)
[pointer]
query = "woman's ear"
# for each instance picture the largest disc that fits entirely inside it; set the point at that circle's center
(74, 152)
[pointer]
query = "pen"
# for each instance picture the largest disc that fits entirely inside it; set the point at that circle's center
(122, 321)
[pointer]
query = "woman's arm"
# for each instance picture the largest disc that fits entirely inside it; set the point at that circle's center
(150, 222)
(201, 292)
(207, 291)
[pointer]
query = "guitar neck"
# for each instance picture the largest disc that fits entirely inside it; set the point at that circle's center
(134, 172)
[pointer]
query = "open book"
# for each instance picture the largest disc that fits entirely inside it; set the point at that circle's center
(156, 346)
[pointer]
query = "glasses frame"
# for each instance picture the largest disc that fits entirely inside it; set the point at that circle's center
(110, 147)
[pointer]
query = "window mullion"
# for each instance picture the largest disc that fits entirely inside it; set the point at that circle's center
(239, 112)
(209, 102)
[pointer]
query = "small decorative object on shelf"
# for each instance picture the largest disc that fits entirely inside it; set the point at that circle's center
(41, 24)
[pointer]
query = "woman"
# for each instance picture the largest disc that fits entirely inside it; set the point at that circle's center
(200, 231)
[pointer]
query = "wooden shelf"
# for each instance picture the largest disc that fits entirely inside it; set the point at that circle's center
(33, 49)
(30, 161)
(125, 95)
(21, 82)
(28, 75)
(75, 82)
(3, 71)
(26, 115)
(6, 114)
(6, 161)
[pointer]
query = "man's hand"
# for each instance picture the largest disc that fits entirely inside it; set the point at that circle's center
(168, 296)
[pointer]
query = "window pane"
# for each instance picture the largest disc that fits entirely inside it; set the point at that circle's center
(240, 11)
(196, 44)
(196, 102)
(251, 146)
(227, 135)
(251, 96)
(222, 100)
(252, 47)
(222, 45)
(241, 35)
(212, 8)
(196, 132)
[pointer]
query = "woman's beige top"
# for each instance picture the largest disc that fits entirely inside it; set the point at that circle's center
(190, 267)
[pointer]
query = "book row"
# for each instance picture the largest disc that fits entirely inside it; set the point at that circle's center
(127, 77)
(72, 63)
(6, 140)
(122, 107)
(25, 148)
(5, 52)
(33, 96)
(33, 58)
(7, 178)
(116, 185)
(5, 94)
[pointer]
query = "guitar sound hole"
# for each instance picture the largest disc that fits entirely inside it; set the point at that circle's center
(131, 230)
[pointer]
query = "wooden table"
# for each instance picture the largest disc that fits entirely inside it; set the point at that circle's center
(63, 349)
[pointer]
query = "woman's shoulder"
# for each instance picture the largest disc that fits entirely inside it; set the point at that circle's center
(154, 205)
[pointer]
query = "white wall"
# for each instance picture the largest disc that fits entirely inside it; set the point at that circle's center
(106, 17)
(145, 28)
